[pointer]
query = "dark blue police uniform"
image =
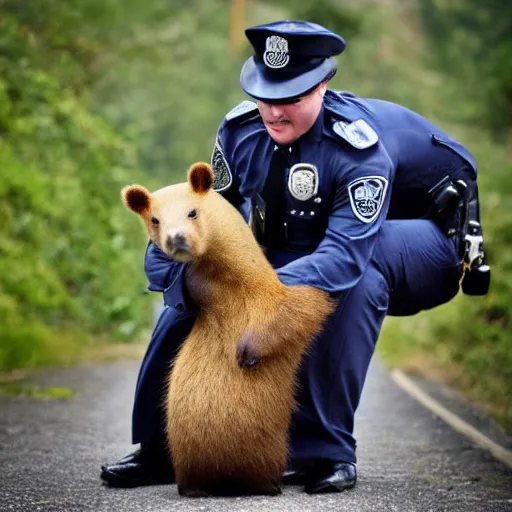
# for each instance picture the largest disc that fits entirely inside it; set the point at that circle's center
(359, 218)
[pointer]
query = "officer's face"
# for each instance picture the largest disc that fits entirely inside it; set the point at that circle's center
(287, 122)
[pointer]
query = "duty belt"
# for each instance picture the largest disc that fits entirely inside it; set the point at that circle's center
(457, 213)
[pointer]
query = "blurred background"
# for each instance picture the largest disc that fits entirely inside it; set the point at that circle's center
(98, 94)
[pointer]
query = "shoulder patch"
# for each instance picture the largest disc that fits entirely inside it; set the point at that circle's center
(367, 196)
(241, 109)
(221, 170)
(358, 134)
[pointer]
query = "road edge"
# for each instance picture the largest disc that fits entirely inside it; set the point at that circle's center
(456, 422)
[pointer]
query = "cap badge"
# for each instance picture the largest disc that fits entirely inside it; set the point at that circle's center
(276, 54)
(367, 197)
(303, 181)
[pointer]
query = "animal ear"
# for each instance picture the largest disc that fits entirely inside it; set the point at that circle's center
(201, 177)
(136, 198)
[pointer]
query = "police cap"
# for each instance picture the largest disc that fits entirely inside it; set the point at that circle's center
(290, 59)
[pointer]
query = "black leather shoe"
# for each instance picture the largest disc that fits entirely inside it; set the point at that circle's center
(136, 470)
(333, 477)
(136, 456)
(294, 477)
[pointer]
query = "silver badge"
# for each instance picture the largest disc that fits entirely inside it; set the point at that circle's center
(367, 197)
(358, 134)
(276, 53)
(303, 181)
(221, 170)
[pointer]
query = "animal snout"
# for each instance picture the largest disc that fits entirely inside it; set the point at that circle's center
(176, 241)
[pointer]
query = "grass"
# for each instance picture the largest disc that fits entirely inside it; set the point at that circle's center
(18, 383)
(413, 344)
(27, 390)
(70, 347)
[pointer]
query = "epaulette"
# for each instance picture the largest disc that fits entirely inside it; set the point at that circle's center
(359, 134)
(346, 94)
(347, 124)
(242, 111)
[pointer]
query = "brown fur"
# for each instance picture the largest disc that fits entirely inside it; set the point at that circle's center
(231, 388)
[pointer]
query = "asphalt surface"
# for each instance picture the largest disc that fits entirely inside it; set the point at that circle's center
(409, 460)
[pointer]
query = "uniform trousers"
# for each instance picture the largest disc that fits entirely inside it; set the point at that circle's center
(414, 267)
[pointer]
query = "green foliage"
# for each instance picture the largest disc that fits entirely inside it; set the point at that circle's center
(24, 389)
(346, 20)
(65, 247)
(179, 80)
(472, 40)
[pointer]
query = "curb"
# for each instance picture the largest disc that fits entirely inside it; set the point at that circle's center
(499, 452)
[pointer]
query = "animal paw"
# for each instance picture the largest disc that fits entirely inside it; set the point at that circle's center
(247, 355)
(189, 492)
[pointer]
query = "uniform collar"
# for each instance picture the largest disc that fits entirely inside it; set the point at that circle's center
(342, 105)
(313, 135)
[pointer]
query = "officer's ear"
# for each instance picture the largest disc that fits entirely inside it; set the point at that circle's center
(323, 87)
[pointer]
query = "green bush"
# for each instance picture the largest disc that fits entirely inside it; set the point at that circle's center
(66, 243)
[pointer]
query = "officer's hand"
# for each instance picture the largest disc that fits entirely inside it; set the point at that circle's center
(247, 354)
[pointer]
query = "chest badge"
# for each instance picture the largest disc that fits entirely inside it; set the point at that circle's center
(303, 181)
(367, 197)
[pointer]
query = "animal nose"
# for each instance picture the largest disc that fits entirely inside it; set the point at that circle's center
(176, 240)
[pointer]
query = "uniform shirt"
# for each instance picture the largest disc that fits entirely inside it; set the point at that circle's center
(363, 161)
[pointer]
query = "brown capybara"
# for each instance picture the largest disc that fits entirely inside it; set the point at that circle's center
(231, 391)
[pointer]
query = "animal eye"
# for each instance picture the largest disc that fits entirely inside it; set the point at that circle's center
(192, 214)
(155, 221)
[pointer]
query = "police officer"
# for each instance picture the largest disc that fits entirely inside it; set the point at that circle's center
(361, 198)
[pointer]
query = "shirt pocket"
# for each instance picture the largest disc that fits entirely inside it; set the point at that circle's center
(300, 229)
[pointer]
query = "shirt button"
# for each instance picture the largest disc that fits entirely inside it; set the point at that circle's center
(180, 306)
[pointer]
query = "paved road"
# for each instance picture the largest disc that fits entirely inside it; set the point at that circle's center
(50, 453)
